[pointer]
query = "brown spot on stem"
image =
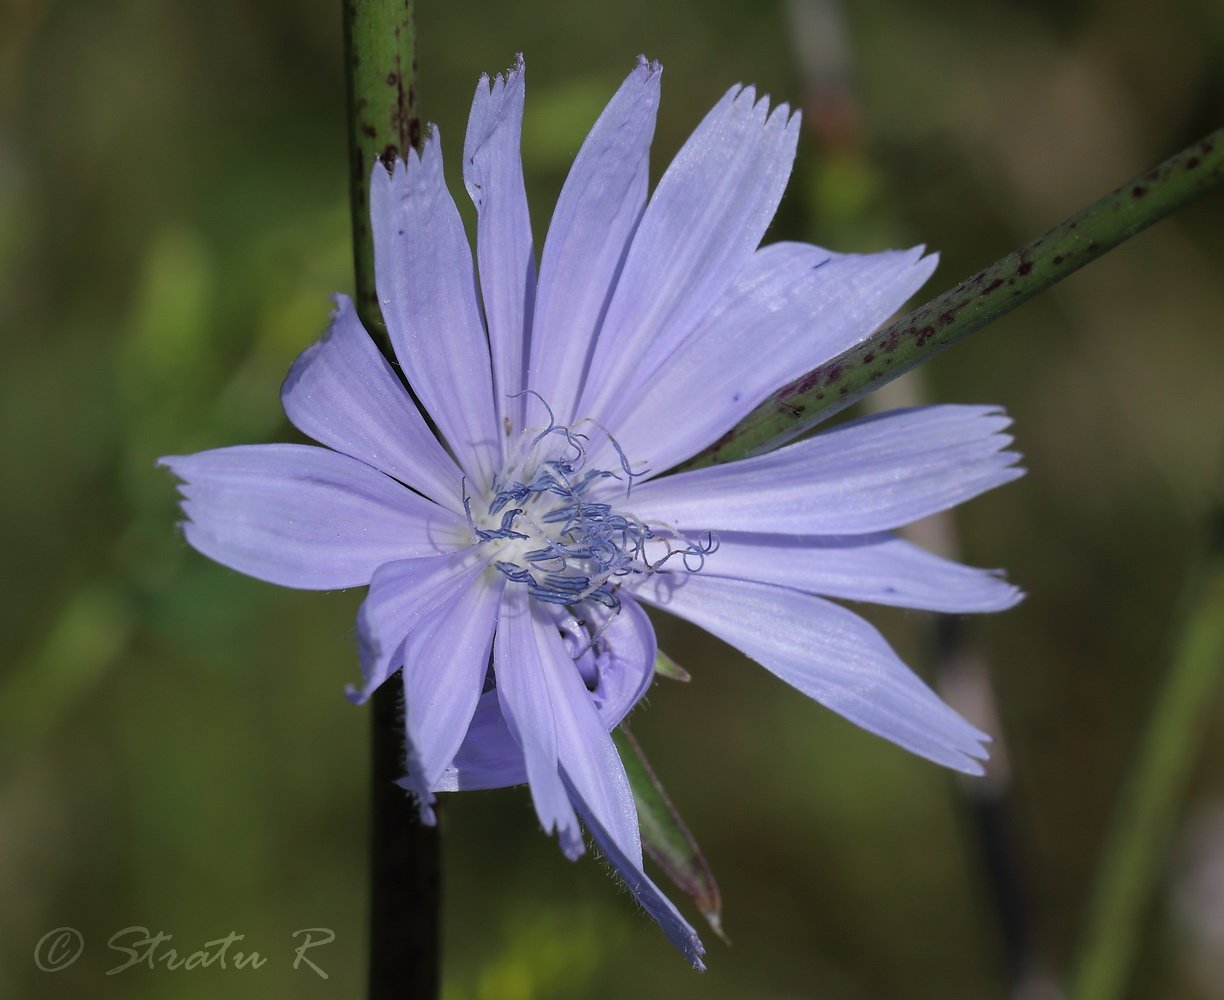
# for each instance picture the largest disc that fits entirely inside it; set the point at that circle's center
(803, 384)
(1138, 191)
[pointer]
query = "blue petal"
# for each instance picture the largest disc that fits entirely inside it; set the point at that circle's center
(523, 663)
(792, 308)
(595, 218)
(704, 221)
(828, 653)
(879, 568)
(402, 595)
(491, 758)
(342, 393)
(493, 175)
(589, 761)
(303, 516)
(427, 292)
(678, 930)
(445, 661)
(865, 476)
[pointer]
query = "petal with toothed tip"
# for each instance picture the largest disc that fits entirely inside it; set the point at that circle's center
(702, 225)
(864, 476)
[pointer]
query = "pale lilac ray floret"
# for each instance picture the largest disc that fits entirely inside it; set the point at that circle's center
(508, 556)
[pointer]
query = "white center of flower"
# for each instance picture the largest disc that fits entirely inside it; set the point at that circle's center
(554, 530)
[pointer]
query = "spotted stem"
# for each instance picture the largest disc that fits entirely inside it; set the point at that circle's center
(975, 302)
(405, 879)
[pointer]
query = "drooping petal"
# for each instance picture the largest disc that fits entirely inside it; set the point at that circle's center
(522, 665)
(427, 291)
(865, 476)
(595, 777)
(595, 218)
(792, 308)
(445, 661)
(402, 595)
(303, 516)
(342, 393)
(703, 223)
(828, 653)
(592, 774)
(490, 757)
(626, 667)
(678, 930)
(879, 568)
(493, 175)
(587, 755)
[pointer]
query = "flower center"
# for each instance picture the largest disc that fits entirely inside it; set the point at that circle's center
(556, 531)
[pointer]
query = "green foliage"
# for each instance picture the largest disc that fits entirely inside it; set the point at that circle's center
(177, 752)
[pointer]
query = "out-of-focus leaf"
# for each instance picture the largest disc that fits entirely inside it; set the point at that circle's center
(665, 666)
(40, 690)
(664, 835)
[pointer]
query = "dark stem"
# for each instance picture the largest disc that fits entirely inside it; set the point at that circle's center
(405, 881)
(973, 303)
(961, 670)
(380, 64)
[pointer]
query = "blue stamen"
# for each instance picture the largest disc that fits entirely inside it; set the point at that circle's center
(515, 574)
(582, 546)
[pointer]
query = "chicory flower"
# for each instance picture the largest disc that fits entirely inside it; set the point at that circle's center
(509, 555)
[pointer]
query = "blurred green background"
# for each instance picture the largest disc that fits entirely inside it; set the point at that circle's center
(176, 751)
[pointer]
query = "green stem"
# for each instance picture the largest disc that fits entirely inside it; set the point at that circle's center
(380, 60)
(973, 303)
(380, 63)
(1144, 820)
